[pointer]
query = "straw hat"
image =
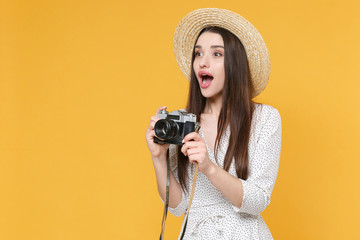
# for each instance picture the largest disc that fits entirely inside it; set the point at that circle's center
(191, 25)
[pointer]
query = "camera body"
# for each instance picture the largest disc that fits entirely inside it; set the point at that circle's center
(173, 127)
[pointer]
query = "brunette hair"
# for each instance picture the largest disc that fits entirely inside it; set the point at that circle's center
(237, 106)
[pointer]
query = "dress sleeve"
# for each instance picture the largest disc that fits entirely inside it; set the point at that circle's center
(264, 164)
(181, 208)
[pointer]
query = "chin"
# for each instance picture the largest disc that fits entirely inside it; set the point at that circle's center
(207, 94)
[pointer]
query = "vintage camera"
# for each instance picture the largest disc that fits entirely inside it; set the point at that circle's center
(173, 127)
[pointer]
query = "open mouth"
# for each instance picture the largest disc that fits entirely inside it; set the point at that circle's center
(206, 79)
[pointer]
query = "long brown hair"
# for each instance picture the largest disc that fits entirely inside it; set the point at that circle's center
(237, 106)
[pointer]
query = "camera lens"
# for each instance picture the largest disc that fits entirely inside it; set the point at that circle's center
(166, 129)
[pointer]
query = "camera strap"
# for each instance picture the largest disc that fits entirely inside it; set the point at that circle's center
(166, 205)
(167, 200)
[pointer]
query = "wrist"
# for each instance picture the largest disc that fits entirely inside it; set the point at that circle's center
(158, 154)
(161, 159)
(211, 171)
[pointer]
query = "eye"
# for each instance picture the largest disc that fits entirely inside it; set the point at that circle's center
(217, 54)
(198, 54)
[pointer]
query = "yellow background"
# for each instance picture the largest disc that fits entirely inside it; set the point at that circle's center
(79, 81)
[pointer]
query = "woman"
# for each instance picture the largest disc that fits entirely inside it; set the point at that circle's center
(238, 146)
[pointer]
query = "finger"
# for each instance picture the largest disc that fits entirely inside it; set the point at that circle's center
(186, 146)
(191, 144)
(184, 149)
(154, 119)
(150, 134)
(193, 151)
(197, 157)
(194, 158)
(159, 109)
(193, 136)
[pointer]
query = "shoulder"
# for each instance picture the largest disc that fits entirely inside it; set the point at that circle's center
(265, 113)
(266, 121)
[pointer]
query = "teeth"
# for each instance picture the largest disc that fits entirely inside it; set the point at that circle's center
(204, 81)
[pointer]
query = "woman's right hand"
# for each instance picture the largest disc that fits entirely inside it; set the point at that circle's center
(156, 149)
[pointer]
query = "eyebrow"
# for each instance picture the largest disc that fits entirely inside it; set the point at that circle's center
(213, 46)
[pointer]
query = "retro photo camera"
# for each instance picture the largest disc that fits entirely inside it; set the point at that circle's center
(173, 127)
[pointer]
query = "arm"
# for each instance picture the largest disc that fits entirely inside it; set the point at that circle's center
(252, 195)
(175, 194)
(158, 155)
(264, 164)
(180, 207)
(227, 184)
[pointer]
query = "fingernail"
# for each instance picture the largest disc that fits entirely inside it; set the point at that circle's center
(182, 141)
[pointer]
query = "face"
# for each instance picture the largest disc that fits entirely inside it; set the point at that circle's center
(209, 64)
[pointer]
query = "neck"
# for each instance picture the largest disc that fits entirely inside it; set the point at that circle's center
(213, 105)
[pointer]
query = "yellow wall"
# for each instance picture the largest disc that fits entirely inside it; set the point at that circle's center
(79, 81)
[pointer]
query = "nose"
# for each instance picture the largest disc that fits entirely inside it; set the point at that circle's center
(204, 62)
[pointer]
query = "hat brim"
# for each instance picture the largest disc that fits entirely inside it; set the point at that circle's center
(191, 25)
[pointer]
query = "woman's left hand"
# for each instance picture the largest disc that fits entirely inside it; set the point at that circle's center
(197, 152)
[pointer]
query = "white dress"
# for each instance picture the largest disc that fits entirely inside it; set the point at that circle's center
(211, 215)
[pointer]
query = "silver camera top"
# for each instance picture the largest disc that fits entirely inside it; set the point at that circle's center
(178, 116)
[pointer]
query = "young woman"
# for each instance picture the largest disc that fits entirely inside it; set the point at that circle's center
(238, 146)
